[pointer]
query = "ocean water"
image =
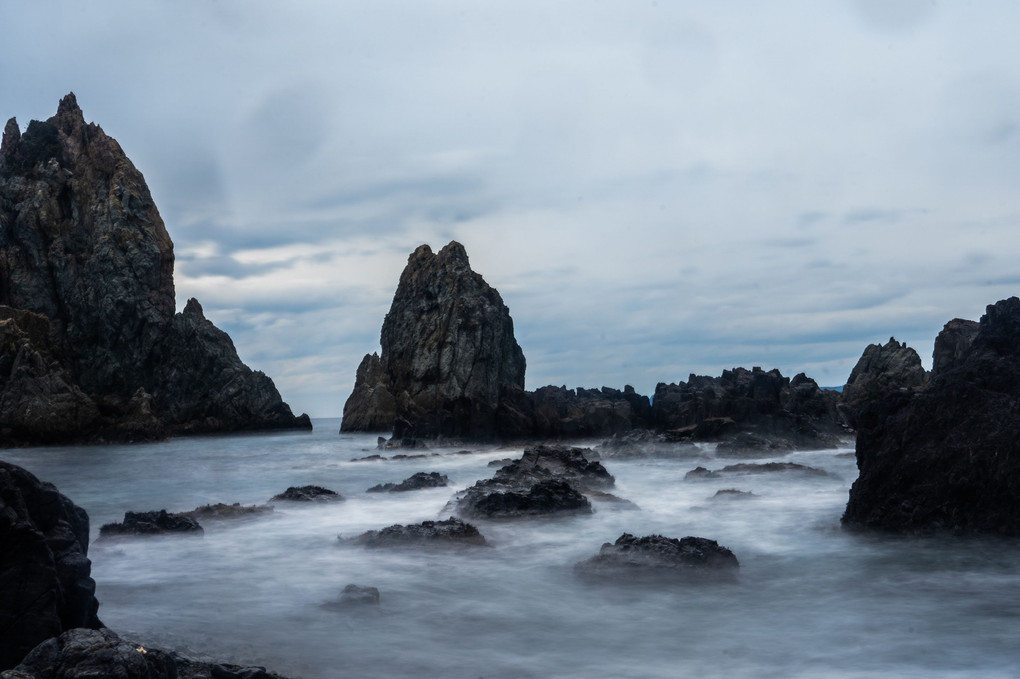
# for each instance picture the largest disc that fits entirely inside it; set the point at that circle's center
(811, 599)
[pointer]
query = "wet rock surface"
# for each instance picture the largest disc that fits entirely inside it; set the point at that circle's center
(158, 522)
(308, 494)
(45, 574)
(83, 246)
(943, 457)
(754, 468)
(452, 531)
(655, 556)
(416, 481)
(224, 512)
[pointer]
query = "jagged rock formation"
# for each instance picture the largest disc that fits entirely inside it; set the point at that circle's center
(159, 522)
(448, 349)
(82, 246)
(881, 368)
(768, 404)
(450, 532)
(45, 574)
(945, 456)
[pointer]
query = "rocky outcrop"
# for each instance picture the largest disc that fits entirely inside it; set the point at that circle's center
(307, 494)
(355, 596)
(952, 343)
(882, 368)
(414, 482)
(159, 522)
(754, 468)
(83, 246)
(545, 480)
(45, 574)
(655, 557)
(780, 411)
(87, 653)
(452, 531)
(944, 457)
(448, 349)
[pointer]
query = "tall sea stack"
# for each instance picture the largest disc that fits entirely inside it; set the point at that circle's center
(90, 346)
(448, 355)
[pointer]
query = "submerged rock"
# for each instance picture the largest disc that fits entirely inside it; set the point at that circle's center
(354, 596)
(452, 531)
(655, 556)
(307, 494)
(415, 482)
(732, 494)
(946, 456)
(152, 523)
(84, 247)
(45, 574)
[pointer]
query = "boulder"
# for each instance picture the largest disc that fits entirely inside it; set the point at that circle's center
(414, 482)
(83, 246)
(882, 368)
(307, 494)
(754, 468)
(452, 531)
(658, 557)
(152, 523)
(448, 349)
(45, 574)
(945, 457)
(221, 511)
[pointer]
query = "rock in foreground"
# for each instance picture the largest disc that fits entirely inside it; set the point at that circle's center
(45, 574)
(946, 456)
(655, 557)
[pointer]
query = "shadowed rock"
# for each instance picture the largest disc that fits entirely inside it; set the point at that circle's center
(221, 511)
(656, 557)
(152, 523)
(754, 468)
(452, 531)
(882, 368)
(307, 494)
(45, 574)
(944, 457)
(415, 482)
(83, 246)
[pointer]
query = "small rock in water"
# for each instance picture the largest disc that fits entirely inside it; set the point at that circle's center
(415, 482)
(151, 523)
(754, 468)
(307, 494)
(221, 511)
(451, 532)
(732, 494)
(655, 556)
(353, 596)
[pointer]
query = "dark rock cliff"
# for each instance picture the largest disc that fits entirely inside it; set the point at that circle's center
(945, 456)
(83, 246)
(448, 351)
(882, 368)
(45, 583)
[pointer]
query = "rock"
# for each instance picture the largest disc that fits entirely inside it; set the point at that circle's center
(755, 468)
(151, 523)
(952, 343)
(88, 654)
(452, 531)
(45, 574)
(558, 412)
(797, 412)
(221, 511)
(943, 457)
(448, 349)
(545, 480)
(747, 444)
(656, 557)
(880, 369)
(83, 246)
(356, 595)
(415, 482)
(732, 494)
(552, 496)
(307, 494)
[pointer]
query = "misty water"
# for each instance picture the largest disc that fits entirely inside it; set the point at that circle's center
(811, 599)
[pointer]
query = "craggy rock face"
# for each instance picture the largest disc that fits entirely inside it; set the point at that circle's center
(82, 245)
(45, 583)
(945, 457)
(448, 350)
(882, 368)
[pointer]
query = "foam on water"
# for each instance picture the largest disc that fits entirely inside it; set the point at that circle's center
(811, 599)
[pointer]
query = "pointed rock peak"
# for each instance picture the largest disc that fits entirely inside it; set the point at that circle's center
(69, 116)
(69, 106)
(454, 250)
(193, 307)
(12, 134)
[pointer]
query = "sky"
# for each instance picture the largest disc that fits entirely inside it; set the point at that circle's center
(655, 188)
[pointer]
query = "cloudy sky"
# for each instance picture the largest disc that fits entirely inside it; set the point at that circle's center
(655, 188)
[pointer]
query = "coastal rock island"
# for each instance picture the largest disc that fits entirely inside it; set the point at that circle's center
(942, 456)
(90, 345)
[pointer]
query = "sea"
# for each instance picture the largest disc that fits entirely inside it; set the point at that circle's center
(811, 599)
